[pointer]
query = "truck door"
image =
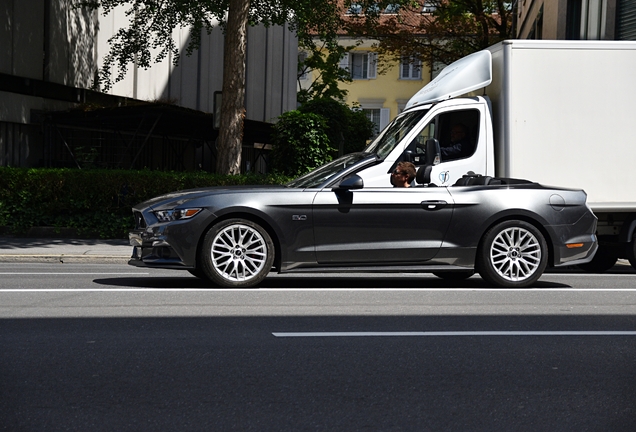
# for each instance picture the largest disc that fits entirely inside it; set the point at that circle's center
(379, 224)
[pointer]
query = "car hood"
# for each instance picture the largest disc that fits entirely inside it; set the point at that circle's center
(175, 199)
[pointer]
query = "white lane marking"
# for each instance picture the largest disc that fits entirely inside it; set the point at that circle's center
(456, 333)
(349, 290)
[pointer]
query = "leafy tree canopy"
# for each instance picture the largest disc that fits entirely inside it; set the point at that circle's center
(148, 38)
(435, 30)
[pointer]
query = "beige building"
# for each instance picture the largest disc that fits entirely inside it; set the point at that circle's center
(380, 89)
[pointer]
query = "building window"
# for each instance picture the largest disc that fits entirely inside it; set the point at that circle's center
(428, 8)
(392, 9)
(626, 22)
(361, 65)
(586, 19)
(379, 117)
(537, 26)
(354, 9)
(410, 69)
(436, 68)
(303, 70)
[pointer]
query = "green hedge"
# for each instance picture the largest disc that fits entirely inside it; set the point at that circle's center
(94, 202)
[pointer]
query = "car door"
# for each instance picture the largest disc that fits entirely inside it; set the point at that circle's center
(380, 225)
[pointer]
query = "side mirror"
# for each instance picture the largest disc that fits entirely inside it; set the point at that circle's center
(351, 183)
(433, 153)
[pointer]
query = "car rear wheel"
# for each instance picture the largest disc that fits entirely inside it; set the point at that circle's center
(513, 254)
(237, 253)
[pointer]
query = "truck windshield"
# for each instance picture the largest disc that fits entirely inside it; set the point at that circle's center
(384, 144)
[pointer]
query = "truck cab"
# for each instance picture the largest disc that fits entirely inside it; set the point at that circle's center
(435, 113)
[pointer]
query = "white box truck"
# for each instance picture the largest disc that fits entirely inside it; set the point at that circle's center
(560, 113)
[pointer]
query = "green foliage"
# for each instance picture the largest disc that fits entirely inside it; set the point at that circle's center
(324, 61)
(300, 143)
(95, 202)
(348, 129)
(454, 29)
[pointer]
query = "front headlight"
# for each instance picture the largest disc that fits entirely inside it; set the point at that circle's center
(176, 214)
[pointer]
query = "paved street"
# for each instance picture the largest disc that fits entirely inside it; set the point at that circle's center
(112, 347)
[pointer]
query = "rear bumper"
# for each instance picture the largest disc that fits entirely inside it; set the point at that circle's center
(577, 242)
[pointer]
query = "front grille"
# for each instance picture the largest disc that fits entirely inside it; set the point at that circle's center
(140, 222)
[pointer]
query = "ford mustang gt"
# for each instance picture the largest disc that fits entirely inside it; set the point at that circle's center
(507, 230)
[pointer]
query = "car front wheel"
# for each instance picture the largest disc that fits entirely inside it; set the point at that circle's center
(513, 254)
(237, 253)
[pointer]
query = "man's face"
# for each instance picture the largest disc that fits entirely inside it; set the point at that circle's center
(457, 133)
(398, 177)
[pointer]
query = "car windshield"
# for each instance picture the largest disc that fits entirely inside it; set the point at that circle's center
(393, 134)
(325, 172)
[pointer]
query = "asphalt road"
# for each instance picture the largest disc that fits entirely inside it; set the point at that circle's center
(112, 347)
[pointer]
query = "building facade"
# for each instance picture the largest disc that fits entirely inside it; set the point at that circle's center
(576, 19)
(381, 91)
(50, 54)
(380, 88)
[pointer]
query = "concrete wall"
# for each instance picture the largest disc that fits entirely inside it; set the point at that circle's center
(49, 40)
(48, 44)
(271, 71)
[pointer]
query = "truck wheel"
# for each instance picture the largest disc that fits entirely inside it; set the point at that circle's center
(631, 252)
(237, 253)
(513, 254)
(603, 260)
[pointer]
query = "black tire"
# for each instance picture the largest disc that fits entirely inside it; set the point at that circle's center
(455, 275)
(512, 254)
(604, 259)
(237, 253)
(631, 252)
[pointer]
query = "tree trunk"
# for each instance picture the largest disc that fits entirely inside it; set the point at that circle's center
(233, 96)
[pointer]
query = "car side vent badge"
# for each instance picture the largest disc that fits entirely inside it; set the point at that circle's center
(299, 217)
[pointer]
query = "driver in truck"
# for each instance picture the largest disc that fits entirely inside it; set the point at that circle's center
(459, 145)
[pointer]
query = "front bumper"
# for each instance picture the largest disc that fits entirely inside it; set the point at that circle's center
(154, 251)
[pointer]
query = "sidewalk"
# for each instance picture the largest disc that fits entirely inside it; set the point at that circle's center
(64, 250)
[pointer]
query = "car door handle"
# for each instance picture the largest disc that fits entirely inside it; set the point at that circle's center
(433, 205)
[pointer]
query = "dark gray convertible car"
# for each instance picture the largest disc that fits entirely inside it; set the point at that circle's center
(329, 221)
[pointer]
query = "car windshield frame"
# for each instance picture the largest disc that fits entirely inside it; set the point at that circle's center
(328, 173)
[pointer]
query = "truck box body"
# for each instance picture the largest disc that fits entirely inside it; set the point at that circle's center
(564, 114)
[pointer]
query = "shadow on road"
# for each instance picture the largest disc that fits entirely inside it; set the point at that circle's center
(326, 282)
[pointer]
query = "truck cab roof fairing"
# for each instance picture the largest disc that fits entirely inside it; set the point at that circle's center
(465, 75)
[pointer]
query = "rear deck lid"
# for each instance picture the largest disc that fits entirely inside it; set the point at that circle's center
(465, 75)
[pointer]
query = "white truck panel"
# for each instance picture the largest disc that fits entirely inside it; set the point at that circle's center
(564, 115)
